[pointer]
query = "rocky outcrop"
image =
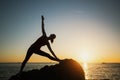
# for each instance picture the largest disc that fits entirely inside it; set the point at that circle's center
(67, 69)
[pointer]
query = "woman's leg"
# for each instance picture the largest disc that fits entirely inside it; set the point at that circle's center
(42, 53)
(28, 55)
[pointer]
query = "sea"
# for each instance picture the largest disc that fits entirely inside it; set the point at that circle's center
(93, 71)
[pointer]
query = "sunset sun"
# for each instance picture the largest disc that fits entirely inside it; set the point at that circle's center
(85, 56)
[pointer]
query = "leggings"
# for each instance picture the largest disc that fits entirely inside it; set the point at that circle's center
(39, 52)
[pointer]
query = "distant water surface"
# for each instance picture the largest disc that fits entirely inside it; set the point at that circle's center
(105, 71)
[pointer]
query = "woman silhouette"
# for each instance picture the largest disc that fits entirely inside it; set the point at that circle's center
(35, 47)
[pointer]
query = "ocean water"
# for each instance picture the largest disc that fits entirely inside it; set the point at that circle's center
(105, 71)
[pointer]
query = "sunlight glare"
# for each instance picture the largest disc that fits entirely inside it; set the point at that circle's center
(85, 56)
(85, 67)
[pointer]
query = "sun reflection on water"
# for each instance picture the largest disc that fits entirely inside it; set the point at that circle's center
(85, 67)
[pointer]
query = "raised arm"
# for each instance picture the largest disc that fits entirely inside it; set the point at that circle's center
(43, 30)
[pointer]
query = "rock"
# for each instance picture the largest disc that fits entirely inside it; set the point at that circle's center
(67, 69)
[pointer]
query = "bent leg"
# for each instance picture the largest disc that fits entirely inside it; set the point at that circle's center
(28, 55)
(42, 53)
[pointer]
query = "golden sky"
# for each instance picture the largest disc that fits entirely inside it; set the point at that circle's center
(87, 31)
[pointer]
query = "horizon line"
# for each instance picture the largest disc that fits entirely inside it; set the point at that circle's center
(57, 62)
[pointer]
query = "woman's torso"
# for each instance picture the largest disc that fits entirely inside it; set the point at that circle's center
(42, 41)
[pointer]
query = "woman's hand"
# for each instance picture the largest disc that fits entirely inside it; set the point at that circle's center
(42, 17)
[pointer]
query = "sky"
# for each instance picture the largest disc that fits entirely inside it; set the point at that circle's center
(86, 30)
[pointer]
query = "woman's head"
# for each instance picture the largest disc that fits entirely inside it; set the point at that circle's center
(52, 37)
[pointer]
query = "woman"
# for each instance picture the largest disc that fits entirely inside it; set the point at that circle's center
(35, 47)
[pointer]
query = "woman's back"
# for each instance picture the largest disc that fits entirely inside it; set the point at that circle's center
(42, 41)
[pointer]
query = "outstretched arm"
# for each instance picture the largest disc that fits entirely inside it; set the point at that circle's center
(49, 47)
(43, 30)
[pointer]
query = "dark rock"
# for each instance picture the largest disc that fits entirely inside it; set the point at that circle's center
(67, 69)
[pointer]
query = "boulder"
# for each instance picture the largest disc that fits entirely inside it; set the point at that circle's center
(67, 69)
